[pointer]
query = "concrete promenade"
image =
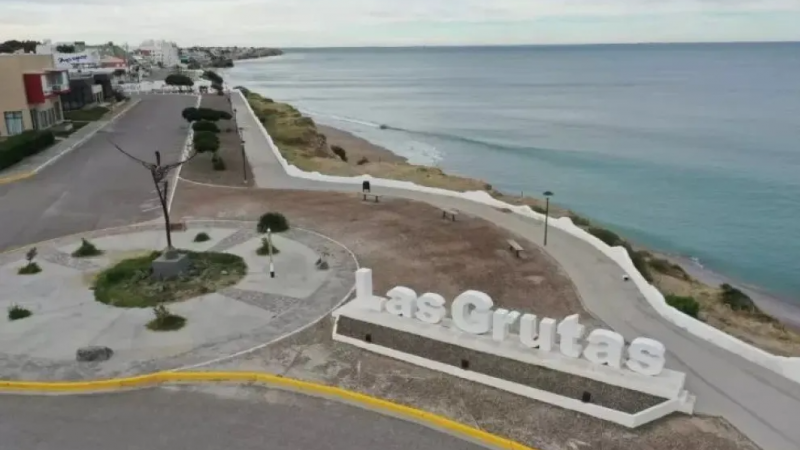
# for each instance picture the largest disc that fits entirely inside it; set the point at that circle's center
(760, 403)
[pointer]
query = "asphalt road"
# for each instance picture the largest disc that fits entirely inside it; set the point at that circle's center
(95, 186)
(161, 419)
(762, 404)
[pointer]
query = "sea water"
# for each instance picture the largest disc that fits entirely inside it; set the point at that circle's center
(692, 149)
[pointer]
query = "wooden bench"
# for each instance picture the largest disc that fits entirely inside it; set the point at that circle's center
(177, 226)
(515, 247)
(449, 213)
(374, 196)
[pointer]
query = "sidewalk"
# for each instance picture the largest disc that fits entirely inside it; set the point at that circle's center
(32, 165)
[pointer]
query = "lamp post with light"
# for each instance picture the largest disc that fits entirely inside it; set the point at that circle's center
(547, 195)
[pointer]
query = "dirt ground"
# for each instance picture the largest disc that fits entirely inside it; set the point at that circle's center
(407, 243)
(200, 169)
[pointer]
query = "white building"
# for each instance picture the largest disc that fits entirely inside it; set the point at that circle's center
(163, 52)
(82, 58)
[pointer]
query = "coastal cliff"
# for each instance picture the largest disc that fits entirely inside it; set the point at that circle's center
(329, 151)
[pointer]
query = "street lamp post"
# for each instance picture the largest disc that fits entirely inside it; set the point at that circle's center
(547, 196)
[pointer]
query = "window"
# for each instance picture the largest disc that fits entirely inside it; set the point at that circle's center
(14, 123)
(57, 109)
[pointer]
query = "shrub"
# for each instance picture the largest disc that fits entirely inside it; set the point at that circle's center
(244, 90)
(86, 115)
(686, 305)
(18, 147)
(362, 161)
(339, 151)
(217, 163)
(668, 268)
(16, 312)
(29, 269)
(205, 141)
(263, 250)
(202, 237)
(538, 209)
(165, 320)
(607, 236)
(190, 114)
(639, 260)
(579, 220)
(205, 125)
(212, 76)
(737, 300)
(276, 222)
(87, 249)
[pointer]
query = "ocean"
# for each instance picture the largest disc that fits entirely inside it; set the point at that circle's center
(691, 149)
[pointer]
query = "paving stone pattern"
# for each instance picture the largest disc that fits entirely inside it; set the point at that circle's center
(531, 375)
(291, 315)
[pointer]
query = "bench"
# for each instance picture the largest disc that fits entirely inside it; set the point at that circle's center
(177, 226)
(515, 247)
(449, 213)
(369, 195)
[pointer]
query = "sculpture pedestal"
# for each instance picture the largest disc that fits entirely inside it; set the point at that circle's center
(170, 264)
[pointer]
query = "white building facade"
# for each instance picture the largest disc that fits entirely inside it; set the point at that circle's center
(163, 52)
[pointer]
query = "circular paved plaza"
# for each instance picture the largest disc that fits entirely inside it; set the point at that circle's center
(257, 310)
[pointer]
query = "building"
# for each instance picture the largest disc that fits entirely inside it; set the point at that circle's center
(85, 88)
(160, 52)
(30, 86)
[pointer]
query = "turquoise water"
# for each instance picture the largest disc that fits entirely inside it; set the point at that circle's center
(690, 149)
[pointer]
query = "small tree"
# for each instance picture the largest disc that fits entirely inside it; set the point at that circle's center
(275, 222)
(212, 76)
(180, 80)
(339, 151)
(30, 268)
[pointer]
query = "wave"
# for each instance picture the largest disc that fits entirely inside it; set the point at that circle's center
(434, 134)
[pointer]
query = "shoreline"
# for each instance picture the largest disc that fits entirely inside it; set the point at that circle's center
(701, 294)
(780, 308)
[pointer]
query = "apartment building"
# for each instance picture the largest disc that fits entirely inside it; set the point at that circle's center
(30, 86)
(163, 52)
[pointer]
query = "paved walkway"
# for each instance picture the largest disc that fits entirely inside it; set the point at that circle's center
(759, 402)
(257, 310)
(162, 419)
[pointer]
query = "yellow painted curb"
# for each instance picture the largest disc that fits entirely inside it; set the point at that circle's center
(363, 400)
(16, 177)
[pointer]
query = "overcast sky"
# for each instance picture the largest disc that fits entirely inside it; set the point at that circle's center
(299, 23)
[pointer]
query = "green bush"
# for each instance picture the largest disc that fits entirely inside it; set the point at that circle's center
(20, 146)
(579, 220)
(607, 236)
(29, 269)
(205, 141)
(263, 250)
(217, 163)
(276, 222)
(244, 90)
(668, 268)
(16, 312)
(86, 115)
(205, 125)
(737, 300)
(686, 305)
(165, 320)
(362, 161)
(538, 209)
(190, 114)
(202, 237)
(86, 250)
(339, 151)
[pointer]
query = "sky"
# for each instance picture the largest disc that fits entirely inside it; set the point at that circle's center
(326, 23)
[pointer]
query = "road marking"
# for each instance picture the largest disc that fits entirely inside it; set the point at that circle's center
(368, 402)
(16, 177)
(184, 154)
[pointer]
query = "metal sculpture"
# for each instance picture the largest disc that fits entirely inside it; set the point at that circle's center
(159, 173)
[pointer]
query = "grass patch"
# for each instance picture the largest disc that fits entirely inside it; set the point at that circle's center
(684, 304)
(29, 269)
(128, 284)
(202, 237)
(86, 250)
(86, 115)
(16, 312)
(165, 320)
(263, 250)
